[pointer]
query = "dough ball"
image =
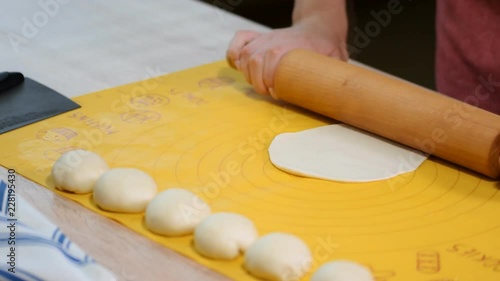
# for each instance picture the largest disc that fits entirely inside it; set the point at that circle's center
(124, 190)
(278, 257)
(77, 171)
(342, 271)
(175, 212)
(224, 235)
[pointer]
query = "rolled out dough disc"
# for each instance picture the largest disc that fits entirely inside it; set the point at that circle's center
(342, 153)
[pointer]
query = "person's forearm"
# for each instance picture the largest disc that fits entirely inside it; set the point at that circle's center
(326, 8)
(328, 16)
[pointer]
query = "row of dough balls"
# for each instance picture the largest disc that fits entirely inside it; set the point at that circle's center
(175, 212)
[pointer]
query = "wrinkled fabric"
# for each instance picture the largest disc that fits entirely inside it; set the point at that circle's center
(468, 55)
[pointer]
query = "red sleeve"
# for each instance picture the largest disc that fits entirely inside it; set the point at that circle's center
(468, 51)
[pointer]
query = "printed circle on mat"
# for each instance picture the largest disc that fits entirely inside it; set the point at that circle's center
(60, 134)
(140, 117)
(149, 100)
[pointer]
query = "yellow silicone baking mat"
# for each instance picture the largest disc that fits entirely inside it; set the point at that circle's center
(204, 129)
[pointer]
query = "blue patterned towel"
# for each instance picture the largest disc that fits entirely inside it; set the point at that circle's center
(32, 248)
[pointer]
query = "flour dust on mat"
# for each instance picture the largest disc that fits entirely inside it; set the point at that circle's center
(342, 153)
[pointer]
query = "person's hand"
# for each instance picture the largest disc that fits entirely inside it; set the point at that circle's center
(256, 54)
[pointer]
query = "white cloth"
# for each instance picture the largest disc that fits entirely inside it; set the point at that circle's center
(35, 249)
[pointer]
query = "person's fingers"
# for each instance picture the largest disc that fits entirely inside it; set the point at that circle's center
(273, 93)
(243, 66)
(256, 65)
(240, 39)
(271, 60)
(246, 53)
(257, 55)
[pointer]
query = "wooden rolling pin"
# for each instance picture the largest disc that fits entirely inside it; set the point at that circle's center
(392, 108)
